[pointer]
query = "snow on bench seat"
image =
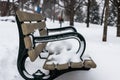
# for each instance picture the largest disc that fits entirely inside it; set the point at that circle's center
(50, 65)
(87, 63)
(62, 58)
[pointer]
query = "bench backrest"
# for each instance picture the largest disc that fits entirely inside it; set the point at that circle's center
(27, 24)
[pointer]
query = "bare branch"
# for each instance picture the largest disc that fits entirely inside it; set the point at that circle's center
(60, 5)
(67, 1)
(78, 5)
(113, 2)
(63, 6)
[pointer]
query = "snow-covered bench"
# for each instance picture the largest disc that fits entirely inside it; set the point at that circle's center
(34, 37)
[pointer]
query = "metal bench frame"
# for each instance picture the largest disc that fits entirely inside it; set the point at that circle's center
(23, 51)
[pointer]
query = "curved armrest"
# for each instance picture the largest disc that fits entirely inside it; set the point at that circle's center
(62, 29)
(57, 37)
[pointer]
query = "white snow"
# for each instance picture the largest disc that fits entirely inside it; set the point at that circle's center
(105, 54)
(63, 52)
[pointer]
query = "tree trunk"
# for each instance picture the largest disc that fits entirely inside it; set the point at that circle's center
(43, 7)
(71, 11)
(103, 14)
(118, 23)
(5, 9)
(71, 19)
(105, 22)
(54, 11)
(8, 7)
(88, 14)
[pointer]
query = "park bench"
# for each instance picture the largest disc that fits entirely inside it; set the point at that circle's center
(31, 46)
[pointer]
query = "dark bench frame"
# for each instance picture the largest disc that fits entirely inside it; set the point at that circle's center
(23, 51)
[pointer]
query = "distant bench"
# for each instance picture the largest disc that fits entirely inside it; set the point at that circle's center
(32, 45)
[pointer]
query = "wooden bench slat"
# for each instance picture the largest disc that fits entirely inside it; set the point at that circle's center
(39, 48)
(43, 32)
(28, 28)
(89, 63)
(62, 66)
(25, 16)
(76, 64)
(28, 42)
(34, 53)
(49, 66)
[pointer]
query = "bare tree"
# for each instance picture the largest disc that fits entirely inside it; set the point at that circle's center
(71, 6)
(103, 11)
(106, 19)
(92, 12)
(4, 7)
(47, 5)
(88, 13)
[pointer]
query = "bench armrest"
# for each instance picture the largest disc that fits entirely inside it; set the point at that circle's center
(62, 29)
(63, 36)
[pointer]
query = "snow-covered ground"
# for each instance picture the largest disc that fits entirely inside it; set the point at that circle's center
(105, 54)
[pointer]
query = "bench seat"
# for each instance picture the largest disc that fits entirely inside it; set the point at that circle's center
(87, 63)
